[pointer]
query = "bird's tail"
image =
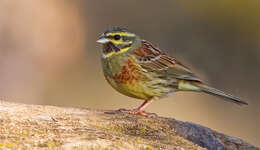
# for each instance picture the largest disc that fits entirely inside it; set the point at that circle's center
(216, 92)
(198, 86)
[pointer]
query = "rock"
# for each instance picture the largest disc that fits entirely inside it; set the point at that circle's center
(48, 127)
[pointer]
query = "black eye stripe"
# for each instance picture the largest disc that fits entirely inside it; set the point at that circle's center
(127, 38)
(124, 38)
(109, 37)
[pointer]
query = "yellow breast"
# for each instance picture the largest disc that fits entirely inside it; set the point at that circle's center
(134, 88)
(135, 82)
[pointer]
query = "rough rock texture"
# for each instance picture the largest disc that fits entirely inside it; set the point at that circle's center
(48, 127)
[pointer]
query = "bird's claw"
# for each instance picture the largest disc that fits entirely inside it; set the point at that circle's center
(137, 112)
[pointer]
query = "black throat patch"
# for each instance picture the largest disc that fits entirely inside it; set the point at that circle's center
(109, 47)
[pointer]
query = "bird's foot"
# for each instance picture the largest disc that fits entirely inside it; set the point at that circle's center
(137, 112)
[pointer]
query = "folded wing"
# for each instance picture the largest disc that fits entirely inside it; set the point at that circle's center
(153, 59)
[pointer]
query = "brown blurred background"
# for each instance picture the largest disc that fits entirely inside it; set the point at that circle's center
(48, 55)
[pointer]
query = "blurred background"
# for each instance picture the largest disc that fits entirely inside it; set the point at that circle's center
(48, 55)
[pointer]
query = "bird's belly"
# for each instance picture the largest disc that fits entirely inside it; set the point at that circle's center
(130, 79)
(141, 89)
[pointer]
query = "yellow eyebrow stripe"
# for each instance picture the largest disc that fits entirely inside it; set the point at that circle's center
(121, 34)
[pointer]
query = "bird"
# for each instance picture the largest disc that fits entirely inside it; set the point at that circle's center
(138, 69)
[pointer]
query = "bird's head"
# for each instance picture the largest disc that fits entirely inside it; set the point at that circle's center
(117, 40)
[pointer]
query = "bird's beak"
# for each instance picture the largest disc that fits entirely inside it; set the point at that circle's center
(102, 39)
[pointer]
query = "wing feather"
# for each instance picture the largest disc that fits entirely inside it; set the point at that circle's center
(153, 59)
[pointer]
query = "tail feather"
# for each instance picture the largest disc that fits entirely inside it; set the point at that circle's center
(216, 92)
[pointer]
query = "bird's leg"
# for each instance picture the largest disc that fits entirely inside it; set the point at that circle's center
(144, 105)
(140, 109)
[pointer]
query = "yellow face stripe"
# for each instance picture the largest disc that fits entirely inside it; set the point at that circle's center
(108, 54)
(121, 34)
(116, 53)
(116, 42)
(120, 41)
(122, 50)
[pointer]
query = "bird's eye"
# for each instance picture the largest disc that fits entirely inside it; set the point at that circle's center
(117, 37)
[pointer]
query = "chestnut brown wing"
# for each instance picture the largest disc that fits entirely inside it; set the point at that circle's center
(153, 59)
